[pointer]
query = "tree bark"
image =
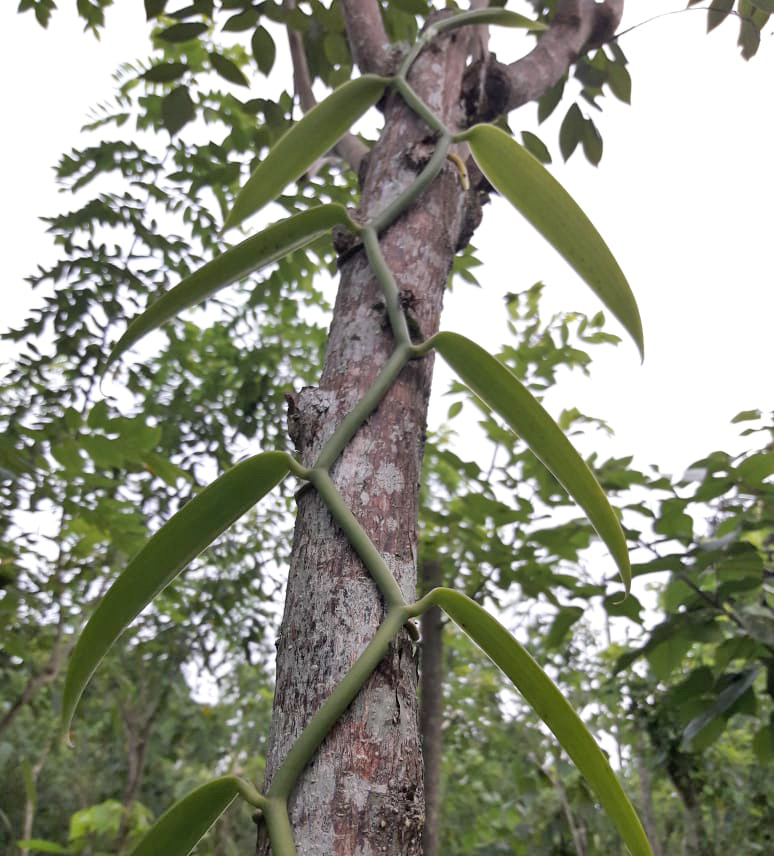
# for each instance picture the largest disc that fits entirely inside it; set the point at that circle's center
(646, 797)
(431, 709)
(362, 793)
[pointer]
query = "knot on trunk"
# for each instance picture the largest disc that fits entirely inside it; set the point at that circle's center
(309, 411)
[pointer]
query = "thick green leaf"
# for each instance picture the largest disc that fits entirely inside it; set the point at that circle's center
(491, 15)
(305, 142)
(530, 188)
(551, 706)
(183, 825)
(494, 384)
(252, 254)
(180, 539)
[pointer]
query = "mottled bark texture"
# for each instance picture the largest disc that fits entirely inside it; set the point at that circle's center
(362, 794)
(431, 707)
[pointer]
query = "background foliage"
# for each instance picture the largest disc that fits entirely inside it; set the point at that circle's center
(684, 705)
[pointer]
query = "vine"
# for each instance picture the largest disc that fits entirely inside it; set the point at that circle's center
(548, 207)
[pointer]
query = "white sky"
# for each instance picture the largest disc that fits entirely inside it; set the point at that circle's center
(682, 196)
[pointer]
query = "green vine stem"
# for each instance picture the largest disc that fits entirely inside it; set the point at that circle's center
(363, 409)
(419, 107)
(251, 795)
(395, 313)
(336, 703)
(280, 831)
(358, 538)
(274, 805)
(410, 194)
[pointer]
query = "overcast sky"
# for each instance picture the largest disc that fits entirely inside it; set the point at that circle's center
(683, 196)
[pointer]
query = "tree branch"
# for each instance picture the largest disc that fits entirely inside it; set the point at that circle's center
(371, 49)
(577, 26)
(349, 148)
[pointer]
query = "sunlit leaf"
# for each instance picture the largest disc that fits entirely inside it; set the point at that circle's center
(531, 189)
(252, 254)
(307, 140)
(180, 539)
(183, 825)
(551, 706)
(499, 388)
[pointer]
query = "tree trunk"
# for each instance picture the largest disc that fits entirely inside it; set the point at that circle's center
(696, 841)
(362, 793)
(646, 798)
(431, 708)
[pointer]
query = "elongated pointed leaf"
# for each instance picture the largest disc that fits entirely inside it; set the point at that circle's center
(183, 825)
(180, 539)
(498, 387)
(252, 254)
(492, 15)
(533, 191)
(551, 706)
(307, 140)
